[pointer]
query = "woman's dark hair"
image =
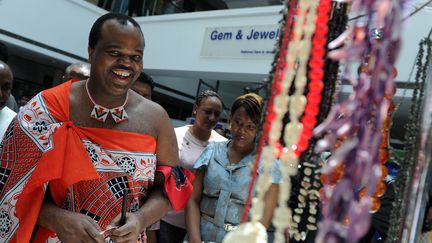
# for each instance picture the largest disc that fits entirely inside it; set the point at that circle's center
(206, 94)
(253, 105)
(95, 31)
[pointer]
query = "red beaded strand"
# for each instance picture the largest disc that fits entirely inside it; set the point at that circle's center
(316, 75)
(309, 121)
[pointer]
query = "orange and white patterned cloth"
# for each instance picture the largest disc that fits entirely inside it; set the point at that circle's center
(86, 169)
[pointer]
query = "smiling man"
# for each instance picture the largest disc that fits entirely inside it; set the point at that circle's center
(87, 143)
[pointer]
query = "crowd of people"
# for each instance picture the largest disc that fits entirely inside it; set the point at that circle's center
(94, 159)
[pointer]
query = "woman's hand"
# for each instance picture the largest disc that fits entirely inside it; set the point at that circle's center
(130, 231)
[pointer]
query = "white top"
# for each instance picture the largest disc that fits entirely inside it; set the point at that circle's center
(190, 148)
(6, 116)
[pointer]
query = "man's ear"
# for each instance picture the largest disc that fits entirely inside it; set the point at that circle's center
(90, 54)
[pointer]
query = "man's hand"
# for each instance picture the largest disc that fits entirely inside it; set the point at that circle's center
(75, 227)
(129, 232)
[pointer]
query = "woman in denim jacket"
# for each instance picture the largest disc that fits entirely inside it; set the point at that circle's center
(223, 176)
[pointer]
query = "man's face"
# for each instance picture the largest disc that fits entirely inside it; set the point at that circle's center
(5, 84)
(116, 60)
(142, 89)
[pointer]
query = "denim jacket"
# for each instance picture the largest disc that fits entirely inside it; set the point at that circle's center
(225, 188)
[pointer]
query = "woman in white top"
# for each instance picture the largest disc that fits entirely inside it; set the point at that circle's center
(192, 140)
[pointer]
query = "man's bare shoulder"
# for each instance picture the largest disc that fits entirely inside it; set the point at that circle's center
(147, 116)
(147, 107)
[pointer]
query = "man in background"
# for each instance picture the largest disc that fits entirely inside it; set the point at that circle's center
(78, 71)
(6, 114)
(4, 54)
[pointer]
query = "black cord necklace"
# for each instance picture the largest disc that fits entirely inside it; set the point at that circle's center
(409, 157)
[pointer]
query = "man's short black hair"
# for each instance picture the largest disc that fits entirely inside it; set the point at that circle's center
(95, 31)
(146, 79)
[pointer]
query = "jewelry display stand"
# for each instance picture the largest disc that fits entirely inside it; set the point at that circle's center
(417, 189)
(351, 180)
(411, 184)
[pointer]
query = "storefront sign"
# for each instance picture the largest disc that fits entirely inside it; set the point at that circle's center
(240, 42)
